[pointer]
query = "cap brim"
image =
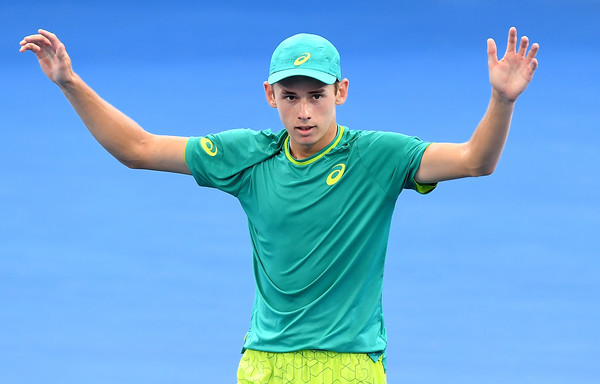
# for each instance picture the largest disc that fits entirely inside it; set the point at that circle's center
(321, 76)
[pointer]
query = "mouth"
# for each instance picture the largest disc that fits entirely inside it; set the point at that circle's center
(305, 129)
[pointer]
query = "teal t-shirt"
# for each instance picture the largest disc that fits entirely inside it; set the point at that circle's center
(319, 229)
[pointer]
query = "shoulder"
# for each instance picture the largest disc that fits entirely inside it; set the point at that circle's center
(384, 148)
(221, 160)
(384, 140)
(239, 139)
(247, 136)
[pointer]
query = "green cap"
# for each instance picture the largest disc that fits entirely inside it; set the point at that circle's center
(305, 55)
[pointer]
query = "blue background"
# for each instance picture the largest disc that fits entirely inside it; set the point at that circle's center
(114, 275)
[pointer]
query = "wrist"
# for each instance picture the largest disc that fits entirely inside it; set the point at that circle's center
(68, 82)
(497, 97)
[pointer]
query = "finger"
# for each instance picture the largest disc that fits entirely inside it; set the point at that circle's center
(51, 38)
(530, 59)
(61, 52)
(533, 65)
(523, 46)
(512, 40)
(492, 52)
(30, 47)
(535, 47)
(36, 39)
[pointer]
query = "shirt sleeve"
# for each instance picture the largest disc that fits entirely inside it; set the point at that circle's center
(223, 160)
(393, 160)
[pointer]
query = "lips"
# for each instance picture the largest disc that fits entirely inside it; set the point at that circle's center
(305, 129)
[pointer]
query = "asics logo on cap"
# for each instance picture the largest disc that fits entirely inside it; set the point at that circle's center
(302, 59)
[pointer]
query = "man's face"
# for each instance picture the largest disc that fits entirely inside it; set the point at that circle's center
(307, 110)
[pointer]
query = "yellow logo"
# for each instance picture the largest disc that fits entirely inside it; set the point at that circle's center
(336, 175)
(302, 59)
(208, 146)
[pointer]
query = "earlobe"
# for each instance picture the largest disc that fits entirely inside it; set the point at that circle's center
(270, 94)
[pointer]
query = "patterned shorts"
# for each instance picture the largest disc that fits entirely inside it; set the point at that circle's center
(309, 367)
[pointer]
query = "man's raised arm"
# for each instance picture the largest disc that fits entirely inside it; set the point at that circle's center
(479, 156)
(117, 133)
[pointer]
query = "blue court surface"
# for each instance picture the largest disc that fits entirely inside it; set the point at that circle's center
(110, 275)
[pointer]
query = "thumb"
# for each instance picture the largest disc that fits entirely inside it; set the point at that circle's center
(61, 52)
(492, 52)
(62, 56)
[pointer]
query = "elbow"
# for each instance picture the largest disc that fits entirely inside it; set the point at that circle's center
(479, 165)
(135, 160)
(132, 164)
(483, 170)
(134, 157)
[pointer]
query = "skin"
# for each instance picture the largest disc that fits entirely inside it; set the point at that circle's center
(116, 132)
(307, 111)
(479, 156)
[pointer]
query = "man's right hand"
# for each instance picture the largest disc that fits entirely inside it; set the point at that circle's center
(52, 55)
(121, 136)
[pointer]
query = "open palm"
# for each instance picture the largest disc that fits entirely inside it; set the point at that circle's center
(511, 75)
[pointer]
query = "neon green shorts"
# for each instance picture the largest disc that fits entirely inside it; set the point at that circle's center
(309, 367)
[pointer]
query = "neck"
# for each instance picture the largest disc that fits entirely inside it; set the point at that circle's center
(301, 152)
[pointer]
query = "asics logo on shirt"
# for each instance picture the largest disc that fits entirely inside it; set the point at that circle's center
(302, 59)
(336, 175)
(208, 146)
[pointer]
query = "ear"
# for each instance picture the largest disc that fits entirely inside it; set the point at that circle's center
(342, 92)
(270, 94)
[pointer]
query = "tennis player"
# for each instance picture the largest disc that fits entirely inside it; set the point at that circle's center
(319, 197)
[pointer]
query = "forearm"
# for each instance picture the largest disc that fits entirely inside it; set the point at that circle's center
(118, 134)
(484, 148)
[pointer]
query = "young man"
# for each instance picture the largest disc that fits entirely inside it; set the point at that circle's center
(319, 199)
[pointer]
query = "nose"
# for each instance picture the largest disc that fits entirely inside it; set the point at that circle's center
(303, 113)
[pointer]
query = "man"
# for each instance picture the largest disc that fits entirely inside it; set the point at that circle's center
(319, 199)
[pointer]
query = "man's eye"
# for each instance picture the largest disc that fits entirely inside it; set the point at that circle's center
(289, 97)
(317, 97)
